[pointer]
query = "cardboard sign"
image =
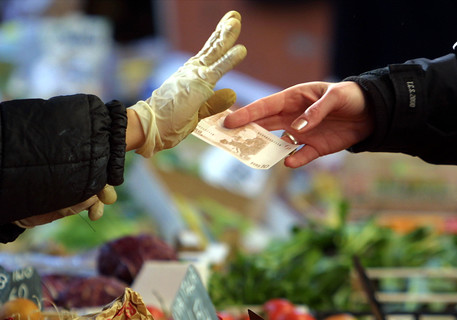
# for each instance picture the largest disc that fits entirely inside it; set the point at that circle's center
(158, 281)
(192, 301)
(21, 283)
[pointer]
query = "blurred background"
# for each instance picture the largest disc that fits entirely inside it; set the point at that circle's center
(392, 210)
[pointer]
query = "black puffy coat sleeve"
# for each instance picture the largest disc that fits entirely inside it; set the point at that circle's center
(56, 153)
(415, 109)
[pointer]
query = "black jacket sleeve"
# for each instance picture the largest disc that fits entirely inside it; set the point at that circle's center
(56, 153)
(415, 109)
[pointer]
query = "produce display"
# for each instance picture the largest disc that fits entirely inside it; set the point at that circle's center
(279, 309)
(307, 276)
(20, 308)
(118, 262)
(128, 306)
(80, 292)
(122, 258)
(313, 267)
(283, 309)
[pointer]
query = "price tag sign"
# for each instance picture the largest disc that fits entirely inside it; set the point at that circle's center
(5, 284)
(192, 301)
(21, 283)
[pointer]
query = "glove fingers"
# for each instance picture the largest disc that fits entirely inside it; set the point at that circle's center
(229, 15)
(221, 40)
(234, 56)
(107, 195)
(228, 20)
(220, 101)
(79, 207)
(96, 211)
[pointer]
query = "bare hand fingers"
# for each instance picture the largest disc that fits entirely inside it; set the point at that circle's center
(334, 98)
(255, 111)
(303, 156)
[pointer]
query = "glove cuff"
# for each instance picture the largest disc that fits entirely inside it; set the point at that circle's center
(117, 130)
(23, 226)
(148, 122)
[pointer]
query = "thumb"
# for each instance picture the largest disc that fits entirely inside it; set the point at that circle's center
(220, 101)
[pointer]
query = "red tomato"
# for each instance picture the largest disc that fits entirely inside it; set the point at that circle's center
(341, 316)
(296, 314)
(243, 316)
(156, 313)
(223, 315)
(276, 307)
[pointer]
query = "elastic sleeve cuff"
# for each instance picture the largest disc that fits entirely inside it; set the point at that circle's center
(118, 114)
(397, 99)
(379, 95)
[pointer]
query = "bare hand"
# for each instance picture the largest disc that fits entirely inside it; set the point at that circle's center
(324, 117)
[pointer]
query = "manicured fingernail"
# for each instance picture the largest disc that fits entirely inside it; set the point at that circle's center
(299, 124)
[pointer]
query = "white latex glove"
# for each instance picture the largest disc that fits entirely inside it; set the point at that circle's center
(174, 109)
(94, 205)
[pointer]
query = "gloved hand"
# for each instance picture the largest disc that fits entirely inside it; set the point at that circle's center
(94, 205)
(174, 109)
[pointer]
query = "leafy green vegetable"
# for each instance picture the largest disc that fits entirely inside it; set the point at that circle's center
(314, 266)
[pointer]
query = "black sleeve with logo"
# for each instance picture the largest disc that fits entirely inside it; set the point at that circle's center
(415, 108)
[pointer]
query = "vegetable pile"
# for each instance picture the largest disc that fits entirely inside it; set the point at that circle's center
(313, 267)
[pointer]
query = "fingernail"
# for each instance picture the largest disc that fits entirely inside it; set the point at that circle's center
(299, 124)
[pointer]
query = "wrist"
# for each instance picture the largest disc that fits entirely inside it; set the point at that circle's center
(134, 137)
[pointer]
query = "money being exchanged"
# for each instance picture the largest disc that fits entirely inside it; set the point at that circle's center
(251, 144)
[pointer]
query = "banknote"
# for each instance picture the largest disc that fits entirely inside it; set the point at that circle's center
(251, 144)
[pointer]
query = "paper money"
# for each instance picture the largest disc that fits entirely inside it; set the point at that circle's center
(251, 144)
